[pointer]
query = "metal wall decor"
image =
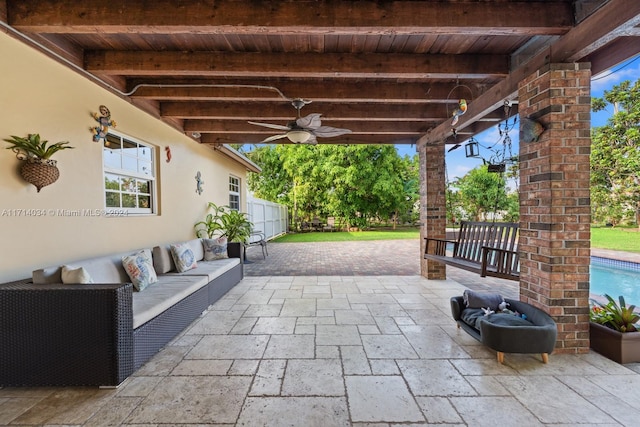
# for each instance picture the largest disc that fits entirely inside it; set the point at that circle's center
(104, 122)
(199, 183)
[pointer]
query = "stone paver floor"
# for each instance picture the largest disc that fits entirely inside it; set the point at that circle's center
(340, 334)
(338, 351)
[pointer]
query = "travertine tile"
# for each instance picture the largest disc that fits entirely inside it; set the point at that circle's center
(230, 347)
(179, 400)
(294, 411)
(434, 378)
(481, 411)
(388, 347)
(337, 335)
(438, 410)
(381, 398)
(274, 326)
(298, 307)
(354, 360)
(290, 347)
(268, 380)
(202, 367)
(317, 377)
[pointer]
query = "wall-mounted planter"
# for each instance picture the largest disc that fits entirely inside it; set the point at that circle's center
(39, 172)
(37, 167)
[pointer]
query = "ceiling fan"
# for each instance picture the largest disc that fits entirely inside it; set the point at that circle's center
(303, 130)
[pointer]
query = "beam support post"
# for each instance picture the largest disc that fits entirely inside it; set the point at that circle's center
(555, 212)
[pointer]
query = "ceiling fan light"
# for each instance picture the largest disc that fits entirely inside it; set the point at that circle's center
(298, 136)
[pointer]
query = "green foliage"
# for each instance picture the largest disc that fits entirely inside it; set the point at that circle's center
(615, 157)
(481, 192)
(33, 147)
(345, 236)
(620, 239)
(615, 316)
(356, 183)
(227, 222)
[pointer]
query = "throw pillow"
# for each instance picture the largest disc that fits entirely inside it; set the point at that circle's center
(215, 248)
(482, 299)
(72, 276)
(183, 257)
(140, 270)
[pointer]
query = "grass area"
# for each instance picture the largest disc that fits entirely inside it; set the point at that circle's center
(343, 236)
(619, 239)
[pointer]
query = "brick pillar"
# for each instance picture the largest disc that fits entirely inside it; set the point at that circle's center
(432, 205)
(555, 202)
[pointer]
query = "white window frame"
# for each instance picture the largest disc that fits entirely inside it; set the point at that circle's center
(123, 172)
(234, 191)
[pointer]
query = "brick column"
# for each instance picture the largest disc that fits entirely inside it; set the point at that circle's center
(555, 202)
(432, 205)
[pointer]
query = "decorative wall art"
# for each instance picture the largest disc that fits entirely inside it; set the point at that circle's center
(104, 122)
(199, 183)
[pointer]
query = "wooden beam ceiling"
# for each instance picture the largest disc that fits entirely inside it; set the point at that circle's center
(390, 71)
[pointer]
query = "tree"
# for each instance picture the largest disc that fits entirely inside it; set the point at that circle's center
(615, 156)
(481, 192)
(357, 183)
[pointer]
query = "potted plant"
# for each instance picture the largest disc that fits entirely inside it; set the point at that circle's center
(38, 167)
(226, 222)
(614, 330)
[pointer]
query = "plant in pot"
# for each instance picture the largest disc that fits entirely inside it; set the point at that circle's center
(614, 330)
(38, 167)
(226, 222)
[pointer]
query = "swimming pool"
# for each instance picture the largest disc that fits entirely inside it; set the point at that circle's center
(616, 278)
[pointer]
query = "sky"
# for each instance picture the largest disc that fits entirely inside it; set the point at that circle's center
(458, 165)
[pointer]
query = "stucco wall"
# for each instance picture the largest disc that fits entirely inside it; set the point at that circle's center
(38, 95)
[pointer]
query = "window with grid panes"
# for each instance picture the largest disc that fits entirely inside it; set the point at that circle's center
(129, 175)
(234, 193)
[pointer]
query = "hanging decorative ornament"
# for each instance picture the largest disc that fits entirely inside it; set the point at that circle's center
(104, 122)
(462, 108)
(167, 150)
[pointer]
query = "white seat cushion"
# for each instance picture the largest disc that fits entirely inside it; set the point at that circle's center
(158, 297)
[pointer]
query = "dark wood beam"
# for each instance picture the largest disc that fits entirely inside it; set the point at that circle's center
(357, 127)
(308, 65)
(212, 138)
(582, 40)
(325, 90)
(310, 17)
(329, 111)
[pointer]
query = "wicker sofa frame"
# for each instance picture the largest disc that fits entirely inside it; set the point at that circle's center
(70, 335)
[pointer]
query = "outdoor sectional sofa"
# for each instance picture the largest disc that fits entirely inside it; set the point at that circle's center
(54, 334)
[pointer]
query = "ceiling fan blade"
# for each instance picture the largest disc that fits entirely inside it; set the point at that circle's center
(270, 125)
(311, 141)
(274, 138)
(328, 131)
(312, 121)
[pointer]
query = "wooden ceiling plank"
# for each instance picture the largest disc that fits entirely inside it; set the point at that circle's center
(369, 65)
(613, 17)
(363, 127)
(330, 111)
(314, 90)
(314, 17)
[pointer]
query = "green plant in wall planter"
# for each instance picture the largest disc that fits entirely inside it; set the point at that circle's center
(38, 167)
(224, 221)
(614, 330)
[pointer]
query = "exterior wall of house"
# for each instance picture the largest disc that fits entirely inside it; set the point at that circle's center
(39, 95)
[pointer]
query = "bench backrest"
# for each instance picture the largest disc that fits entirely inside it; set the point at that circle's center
(473, 236)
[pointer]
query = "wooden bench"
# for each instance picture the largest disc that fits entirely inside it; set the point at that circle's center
(486, 248)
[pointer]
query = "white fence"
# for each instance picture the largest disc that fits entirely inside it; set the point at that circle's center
(268, 217)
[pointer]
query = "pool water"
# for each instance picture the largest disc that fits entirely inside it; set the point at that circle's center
(615, 279)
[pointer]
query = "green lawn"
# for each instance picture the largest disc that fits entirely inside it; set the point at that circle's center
(621, 239)
(343, 236)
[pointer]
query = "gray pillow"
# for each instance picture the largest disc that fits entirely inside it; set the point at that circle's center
(474, 299)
